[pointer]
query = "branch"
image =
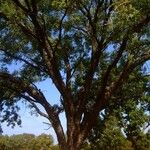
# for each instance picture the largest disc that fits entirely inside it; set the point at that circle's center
(18, 3)
(47, 53)
(113, 64)
(136, 28)
(39, 97)
(100, 3)
(21, 59)
(128, 68)
(38, 110)
(28, 98)
(24, 86)
(27, 4)
(32, 102)
(66, 60)
(34, 6)
(103, 99)
(46, 50)
(3, 16)
(60, 28)
(48, 125)
(104, 96)
(26, 30)
(145, 57)
(93, 29)
(98, 47)
(82, 29)
(35, 95)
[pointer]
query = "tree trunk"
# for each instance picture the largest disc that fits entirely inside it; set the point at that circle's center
(75, 139)
(74, 144)
(71, 146)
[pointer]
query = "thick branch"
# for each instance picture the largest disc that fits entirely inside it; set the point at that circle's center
(23, 86)
(35, 95)
(38, 96)
(46, 50)
(97, 45)
(118, 56)
(26, 30)
(18, 4)
(104, 95)
(103, 100)
(113, 64)
(89, 76)
(49, 57)
(47, 53)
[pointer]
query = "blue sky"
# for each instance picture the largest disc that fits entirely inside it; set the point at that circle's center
(32, 123)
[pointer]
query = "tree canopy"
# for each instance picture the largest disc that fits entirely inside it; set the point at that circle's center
(90, 49)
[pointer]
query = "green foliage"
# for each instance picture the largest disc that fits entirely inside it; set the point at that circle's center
(16, 46)
(27, 142)
(133, 112)
(123, 123)
(107, 135)
(44, 142)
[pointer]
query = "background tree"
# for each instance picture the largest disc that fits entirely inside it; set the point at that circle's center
(27, 142)
(89, 49)
(43, 142)
(109, 137)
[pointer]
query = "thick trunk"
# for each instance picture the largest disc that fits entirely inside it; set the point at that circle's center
(74, 144)
(73, 133)
(72, 147)
(75, 138)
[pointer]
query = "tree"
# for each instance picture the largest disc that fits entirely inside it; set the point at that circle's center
(109, 137)
(43, 142)
(88, 48)
(27, 142)
(20, 141)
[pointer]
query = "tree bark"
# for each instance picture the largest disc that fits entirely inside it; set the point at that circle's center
(75, 142)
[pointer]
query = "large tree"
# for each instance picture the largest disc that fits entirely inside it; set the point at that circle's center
(88, 48)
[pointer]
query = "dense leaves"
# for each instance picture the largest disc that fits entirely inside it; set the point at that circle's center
(125, 121)
(27, 142)
(108, 135)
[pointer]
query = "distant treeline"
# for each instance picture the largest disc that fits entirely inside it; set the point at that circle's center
(111, 139)
(27, 142)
